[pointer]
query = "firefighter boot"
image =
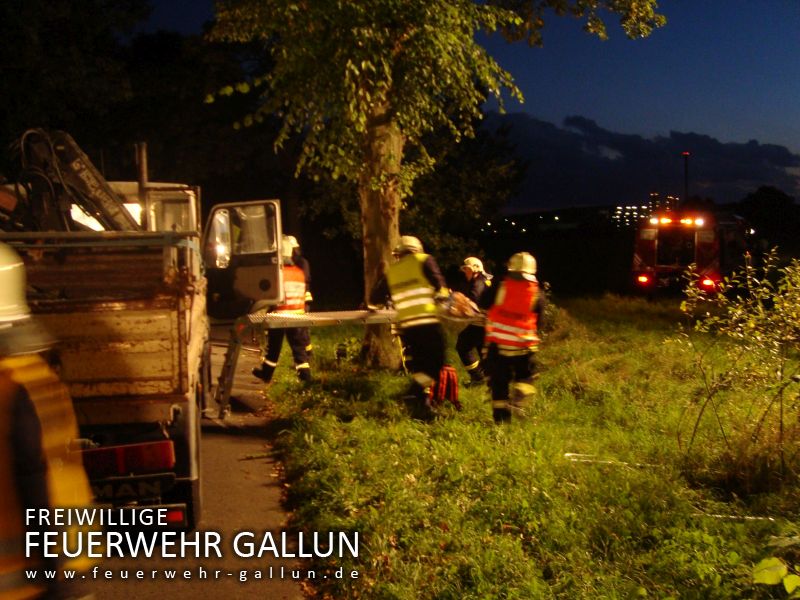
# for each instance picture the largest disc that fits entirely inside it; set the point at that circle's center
(501, 412)
(264, 372)
(418, 401)
(476, 376)
(304, 373)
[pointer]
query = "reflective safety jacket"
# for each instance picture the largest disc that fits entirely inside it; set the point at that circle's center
(511, 322)
(412, 292)
(66, 483)
(294, 291)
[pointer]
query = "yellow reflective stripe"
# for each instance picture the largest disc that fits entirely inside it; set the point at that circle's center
(508, 328)
(513, 350)
(417, 302)
(414, 321)
(510, 337)
(417, 291)
(304, 365)
(473, 366)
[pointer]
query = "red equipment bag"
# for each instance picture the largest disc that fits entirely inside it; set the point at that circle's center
(446, 388)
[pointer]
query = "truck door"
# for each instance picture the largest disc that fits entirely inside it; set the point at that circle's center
(242, 257)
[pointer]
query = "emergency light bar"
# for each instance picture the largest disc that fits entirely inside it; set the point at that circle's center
(697, 222)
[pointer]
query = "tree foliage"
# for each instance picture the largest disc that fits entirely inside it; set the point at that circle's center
(468, 186)
(335, 63)
(744, 344)
(364, 83)
(637, 18)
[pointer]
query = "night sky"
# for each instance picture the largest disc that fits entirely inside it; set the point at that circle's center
(726, 70)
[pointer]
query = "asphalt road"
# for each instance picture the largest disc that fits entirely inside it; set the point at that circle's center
(241, 492)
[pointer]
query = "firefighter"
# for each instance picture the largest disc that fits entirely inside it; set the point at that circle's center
(302, 262)
(470, 341)
(415, 284)
(37, 428)
(294, 288)
(512, 338)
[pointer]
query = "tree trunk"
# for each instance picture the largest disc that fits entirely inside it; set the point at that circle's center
(379, 198)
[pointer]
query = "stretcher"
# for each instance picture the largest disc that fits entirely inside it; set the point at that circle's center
(255, 324)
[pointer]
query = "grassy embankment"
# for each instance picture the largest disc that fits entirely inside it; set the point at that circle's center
(461, 508)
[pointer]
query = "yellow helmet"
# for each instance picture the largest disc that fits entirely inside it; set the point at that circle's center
(408, 245)
(522, 262)
(13, 306)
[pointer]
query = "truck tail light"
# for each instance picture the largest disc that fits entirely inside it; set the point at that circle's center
(147, 457)
(176, 516)
(643, 279)
(708, 284)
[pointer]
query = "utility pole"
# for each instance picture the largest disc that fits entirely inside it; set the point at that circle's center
(685, 155)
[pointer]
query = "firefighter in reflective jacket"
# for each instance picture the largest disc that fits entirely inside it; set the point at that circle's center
(415, 284)
(470, 341)
(302, 262)
(37, 427)
(294, 288)
(512, 338)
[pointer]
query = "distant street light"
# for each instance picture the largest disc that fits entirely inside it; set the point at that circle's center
(685, 176)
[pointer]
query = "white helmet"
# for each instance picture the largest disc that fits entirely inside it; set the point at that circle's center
(472, 263)
(286, 247)
(522, 262)
(292, 241)
(408, 245)
(13, 306)
(19, 333)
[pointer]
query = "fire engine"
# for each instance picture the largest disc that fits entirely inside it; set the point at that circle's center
(667, 242)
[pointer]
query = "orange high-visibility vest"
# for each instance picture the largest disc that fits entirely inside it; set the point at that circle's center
(294, 291)
(510, 323)
(67, 484)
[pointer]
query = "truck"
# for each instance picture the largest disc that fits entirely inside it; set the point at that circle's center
(116, 274)
(668, 241)
(128, 311)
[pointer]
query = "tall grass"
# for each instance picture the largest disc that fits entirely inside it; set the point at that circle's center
(585, 499)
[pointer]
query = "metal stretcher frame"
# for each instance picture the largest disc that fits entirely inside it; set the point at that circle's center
(257, 322)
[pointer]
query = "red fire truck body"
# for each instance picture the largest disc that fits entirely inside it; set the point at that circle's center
(668, 242)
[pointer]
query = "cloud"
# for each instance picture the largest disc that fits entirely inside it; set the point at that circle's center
(582, 163)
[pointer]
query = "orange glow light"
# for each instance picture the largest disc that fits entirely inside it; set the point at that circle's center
(707, 282)
(643, 279)
(665, 220)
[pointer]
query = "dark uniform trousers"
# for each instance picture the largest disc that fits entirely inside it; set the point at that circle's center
(468, 345)
(298, 342)
(424, 349)
(510, 381)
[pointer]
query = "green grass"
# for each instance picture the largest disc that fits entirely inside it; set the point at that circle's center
(462, 508)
